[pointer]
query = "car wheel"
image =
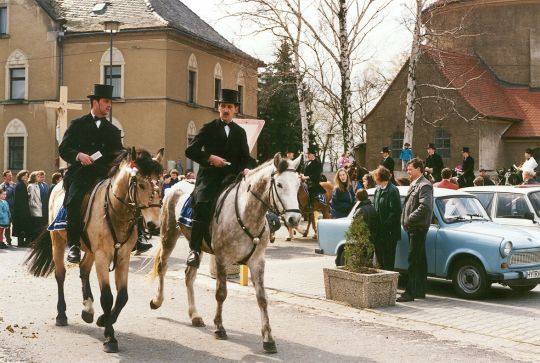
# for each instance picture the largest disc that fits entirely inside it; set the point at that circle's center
(340, 258)
(470, 280)
(523, 289)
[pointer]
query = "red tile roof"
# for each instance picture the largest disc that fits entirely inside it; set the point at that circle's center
(479, 87)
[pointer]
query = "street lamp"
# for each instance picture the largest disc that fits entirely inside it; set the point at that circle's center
(111, 27)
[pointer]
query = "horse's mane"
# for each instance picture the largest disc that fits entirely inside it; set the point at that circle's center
(283, 165)
(145, 163)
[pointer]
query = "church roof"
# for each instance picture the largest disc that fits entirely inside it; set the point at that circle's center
(137, 15)
(481, 89)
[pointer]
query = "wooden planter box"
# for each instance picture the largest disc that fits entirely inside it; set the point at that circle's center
(361, 290)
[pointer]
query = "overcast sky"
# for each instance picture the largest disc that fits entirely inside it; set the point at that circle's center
(390, 40)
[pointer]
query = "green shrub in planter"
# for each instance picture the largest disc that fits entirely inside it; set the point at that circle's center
(358, 249)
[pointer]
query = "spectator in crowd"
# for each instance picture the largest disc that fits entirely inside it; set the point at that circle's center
(416, 219)
(478, 181)
(44, 194)
(21, 210)
(434, 163)
(166, 185)
(9, 186)
(388, 162)
(56, 178)
(446, 181)
(35, 204)
(487, 179)
(530, 163)
(367, 211)
(344, 161)
(174, 177)
(467, 178)
(5, 217)
(343, 197)
(405, 155)
(367, 181)
(387, 203)
(529, 177)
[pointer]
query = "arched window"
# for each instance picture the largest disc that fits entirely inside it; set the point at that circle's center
(240, 83)
(191, 132)
(17, 76)
(192, 79)
(15, 145)
(117, 69)
(397, 144)
(442, 143)
(218, 77)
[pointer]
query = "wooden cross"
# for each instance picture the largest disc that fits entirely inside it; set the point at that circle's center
(61, 115)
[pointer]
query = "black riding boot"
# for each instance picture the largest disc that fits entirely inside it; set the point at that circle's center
(197, 234)
(141, 245)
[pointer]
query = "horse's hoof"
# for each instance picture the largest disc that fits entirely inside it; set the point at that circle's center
(61, 321)
(220, 335)
(153, 306)
(101, 321)
(304, 235)
(294, 232)
(111, 346)
(198, 322)
(288, 239)
(87, 317)
(269, 347)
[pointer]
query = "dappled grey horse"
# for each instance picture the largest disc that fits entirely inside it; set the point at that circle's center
(240, 234)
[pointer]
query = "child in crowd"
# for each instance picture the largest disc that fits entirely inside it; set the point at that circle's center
(166, 184)
(5, 217)
(405, 155)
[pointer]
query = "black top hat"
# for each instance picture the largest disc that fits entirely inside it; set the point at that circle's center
(102, 91)
(529, 151)
(465, 149)
(385, 149)
(229, 96)
(431, 146)
(312, 150)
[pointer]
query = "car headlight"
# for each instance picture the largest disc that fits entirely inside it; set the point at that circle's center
(506, 248)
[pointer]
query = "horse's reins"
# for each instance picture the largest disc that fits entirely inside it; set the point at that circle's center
(131, 204)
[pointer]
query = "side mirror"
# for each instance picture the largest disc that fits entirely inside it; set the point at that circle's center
(530, 216)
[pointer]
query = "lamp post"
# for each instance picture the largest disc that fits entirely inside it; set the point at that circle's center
(111, 27)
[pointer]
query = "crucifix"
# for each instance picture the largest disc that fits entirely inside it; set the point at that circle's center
(61, 115)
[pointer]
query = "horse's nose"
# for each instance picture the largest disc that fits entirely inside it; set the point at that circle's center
(293, 220)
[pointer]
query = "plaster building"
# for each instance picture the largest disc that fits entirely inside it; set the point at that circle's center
(168, 66)
(479, 87)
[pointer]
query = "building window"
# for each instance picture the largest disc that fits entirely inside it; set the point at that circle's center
(116, 79)
(397, 144)
(15, 153)
(192, 81)
(217, 90)
(442, 143)
(241, 99)
(3, 20)
(17, 83)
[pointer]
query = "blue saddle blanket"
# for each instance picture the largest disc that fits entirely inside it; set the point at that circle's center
(322, 198)
(60, 222)
(186, 213)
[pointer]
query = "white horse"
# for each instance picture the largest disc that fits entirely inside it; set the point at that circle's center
(240, 234)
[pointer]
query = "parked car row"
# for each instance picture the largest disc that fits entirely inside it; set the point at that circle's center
(463, 243)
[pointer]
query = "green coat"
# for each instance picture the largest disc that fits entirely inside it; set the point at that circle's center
(388, 206)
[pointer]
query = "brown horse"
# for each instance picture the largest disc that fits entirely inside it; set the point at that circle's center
(111, 230)
(356, 172)
(240, 234)
(318, 206)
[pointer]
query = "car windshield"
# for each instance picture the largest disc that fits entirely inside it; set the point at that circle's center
(461, 208)
(535, 201)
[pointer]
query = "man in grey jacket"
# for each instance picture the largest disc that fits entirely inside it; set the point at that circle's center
(416, 218)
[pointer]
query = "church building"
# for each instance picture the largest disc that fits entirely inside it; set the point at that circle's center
(478, 83)
(166, 64)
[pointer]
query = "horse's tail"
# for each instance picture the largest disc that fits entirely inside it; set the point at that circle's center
(155, 268)
(40, 259)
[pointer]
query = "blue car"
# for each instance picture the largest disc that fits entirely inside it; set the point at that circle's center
(462, 245)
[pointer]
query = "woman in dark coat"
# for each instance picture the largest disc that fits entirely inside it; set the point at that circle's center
(21, 210)
(343, 196)
(388, 205)
(366, 210)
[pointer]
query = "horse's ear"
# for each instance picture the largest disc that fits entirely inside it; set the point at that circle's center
(159, 155)
(296, 162)
(133, 153)
(277, 159)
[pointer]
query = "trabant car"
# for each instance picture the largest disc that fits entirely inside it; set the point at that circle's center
(462, 245)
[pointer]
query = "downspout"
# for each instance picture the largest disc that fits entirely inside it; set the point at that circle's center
(60, 40)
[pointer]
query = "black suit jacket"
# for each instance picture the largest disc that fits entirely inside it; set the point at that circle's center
(212, 140)
(313, 169)
(84, 136)
(435, 161)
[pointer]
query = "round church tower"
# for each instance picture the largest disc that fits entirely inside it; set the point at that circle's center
(505, 34)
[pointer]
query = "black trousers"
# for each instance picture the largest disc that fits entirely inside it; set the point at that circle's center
(201, 221)
(385, 249)
(417, 271)
(73, 203)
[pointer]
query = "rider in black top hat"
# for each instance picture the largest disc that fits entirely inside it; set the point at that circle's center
(388, 162)
(466, 180)
(312, 175)
(434, 163)
(86, 136)
(221, 149)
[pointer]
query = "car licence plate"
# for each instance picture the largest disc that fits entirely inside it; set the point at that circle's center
(533, 274)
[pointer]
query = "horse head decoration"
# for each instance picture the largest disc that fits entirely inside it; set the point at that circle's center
(240, 234)
(110, 232)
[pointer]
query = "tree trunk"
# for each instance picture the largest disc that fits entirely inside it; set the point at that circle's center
(301, 99)
(345, 71)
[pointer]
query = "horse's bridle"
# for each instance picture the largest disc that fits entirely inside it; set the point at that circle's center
(272, 195)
